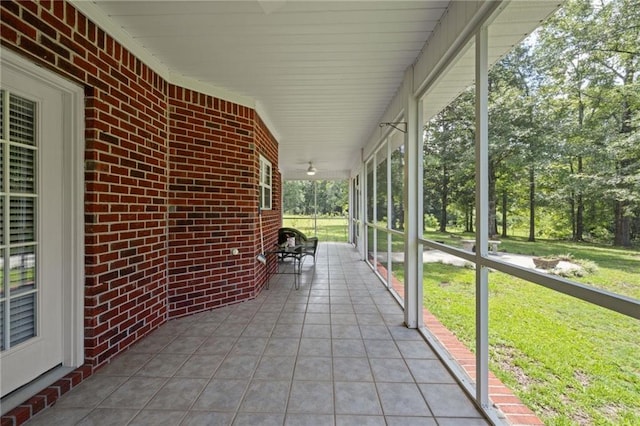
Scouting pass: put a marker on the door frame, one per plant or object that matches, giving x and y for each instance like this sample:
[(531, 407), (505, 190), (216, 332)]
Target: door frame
[(73, 204)]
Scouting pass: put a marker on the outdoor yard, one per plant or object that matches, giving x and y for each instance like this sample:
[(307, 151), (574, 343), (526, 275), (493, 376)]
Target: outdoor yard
[(569, 361), (330, 228)]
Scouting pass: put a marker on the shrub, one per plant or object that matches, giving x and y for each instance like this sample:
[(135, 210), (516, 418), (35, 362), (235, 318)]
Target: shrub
[(430, 221)]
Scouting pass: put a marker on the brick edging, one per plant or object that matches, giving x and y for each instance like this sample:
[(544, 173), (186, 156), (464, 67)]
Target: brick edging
[(46, 397), (503, 398)]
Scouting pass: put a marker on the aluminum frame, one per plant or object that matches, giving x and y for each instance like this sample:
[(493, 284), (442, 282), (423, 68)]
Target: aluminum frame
[(478, 390)]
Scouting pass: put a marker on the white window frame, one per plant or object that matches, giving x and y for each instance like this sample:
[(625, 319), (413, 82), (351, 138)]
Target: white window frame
[(266, 188)]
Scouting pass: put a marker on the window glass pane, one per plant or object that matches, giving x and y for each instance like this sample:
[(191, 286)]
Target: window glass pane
[(370, 189), (22, 264), (2, 302), (449, 172), (355, 211), (22, 169), (22, 317), (267, 198), (2, 221), (449, 300), (381, 187), (396, 279), (265, 184), (397, 188), (17, 290), (21, 120), (1, 166), (382, 255), (22, 219), (371, 235), (1, 114), (567, 347), (356, 198), (2, 293)]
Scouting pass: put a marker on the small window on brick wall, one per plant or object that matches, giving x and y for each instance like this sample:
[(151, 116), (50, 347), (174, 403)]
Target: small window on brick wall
[(265, 184)]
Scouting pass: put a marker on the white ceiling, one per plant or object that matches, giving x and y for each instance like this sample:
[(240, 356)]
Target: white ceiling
[(322, 72)]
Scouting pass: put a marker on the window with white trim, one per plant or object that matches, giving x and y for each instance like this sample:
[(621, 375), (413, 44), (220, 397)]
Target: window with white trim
[(265, 184), (18, 208)]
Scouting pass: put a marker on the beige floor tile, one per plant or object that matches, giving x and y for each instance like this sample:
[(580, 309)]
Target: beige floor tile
[(334, 352)]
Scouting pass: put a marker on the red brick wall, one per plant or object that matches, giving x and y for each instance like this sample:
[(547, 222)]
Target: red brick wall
[(171, 182), (213, 156), (125, 169), (267, 146)]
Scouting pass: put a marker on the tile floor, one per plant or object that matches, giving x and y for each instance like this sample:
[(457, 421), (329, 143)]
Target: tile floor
[(334, 352)]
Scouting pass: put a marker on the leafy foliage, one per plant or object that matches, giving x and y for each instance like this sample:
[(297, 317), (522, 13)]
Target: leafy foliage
[(564, 109), (299, 197)]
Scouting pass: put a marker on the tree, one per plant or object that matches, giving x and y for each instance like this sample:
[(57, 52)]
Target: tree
[(598, 76), (293, 197), (299, 197), (448, 154), (515, 138)]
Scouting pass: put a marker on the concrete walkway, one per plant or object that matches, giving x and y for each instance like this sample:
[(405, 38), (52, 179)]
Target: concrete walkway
[(437, 256)]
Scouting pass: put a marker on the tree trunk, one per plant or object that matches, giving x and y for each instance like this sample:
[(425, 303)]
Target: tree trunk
[(622, 225), (504, 214), (579, 235), (622, 217), (444, 198), (572, 206), (492, 202), (467, 219), (635, 226), (572, 214), (532, 205), (579, 231)]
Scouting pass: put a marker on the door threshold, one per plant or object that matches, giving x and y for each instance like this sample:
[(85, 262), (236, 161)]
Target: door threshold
[(23, 393)]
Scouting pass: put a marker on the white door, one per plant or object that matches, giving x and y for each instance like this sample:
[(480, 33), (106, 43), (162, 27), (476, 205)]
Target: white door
[(31, 213)]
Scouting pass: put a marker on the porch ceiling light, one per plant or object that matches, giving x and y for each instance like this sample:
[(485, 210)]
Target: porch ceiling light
[(311, 170)]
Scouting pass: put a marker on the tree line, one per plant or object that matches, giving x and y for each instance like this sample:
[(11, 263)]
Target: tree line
[(299, 197), (564, 156)]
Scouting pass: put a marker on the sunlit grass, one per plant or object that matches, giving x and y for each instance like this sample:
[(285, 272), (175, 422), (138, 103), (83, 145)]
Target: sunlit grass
[(618, 269), (572, 362), (329, 228)]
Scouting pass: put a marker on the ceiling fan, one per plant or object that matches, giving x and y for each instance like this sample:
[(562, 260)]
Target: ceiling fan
[(311, 170)]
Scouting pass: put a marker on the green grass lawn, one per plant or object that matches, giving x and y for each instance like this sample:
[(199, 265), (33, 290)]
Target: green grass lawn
[(330, 228), (618, 269), (571, 362)]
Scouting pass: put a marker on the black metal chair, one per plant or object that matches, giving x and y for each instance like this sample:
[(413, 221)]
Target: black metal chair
[(309, 244)]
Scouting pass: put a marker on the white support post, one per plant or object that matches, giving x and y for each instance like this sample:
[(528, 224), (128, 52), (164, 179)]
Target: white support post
[(419, 209), (350, 216), (362, 230), (374, 210), (315, 208), (482, 218), (389, 264), (412, 222)]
